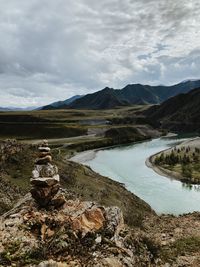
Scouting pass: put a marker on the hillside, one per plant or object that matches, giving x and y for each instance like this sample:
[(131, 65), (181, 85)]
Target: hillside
[(88, 234), (131, 94), (16, 164), (104, 99), (102, 225), (59, 104), (180, 113)]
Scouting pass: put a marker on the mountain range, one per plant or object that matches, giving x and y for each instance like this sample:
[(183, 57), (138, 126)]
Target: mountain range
[(4, 109), (16, 109), (180, 113), (58, 104), (132, 94)]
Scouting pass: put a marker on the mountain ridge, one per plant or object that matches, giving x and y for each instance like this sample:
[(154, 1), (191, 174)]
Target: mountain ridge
[(179, 113), (132, 94), (60, 103)]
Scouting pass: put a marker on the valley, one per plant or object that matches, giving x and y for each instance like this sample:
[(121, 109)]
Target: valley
[(70, 126), (115, 142), (99, 133)]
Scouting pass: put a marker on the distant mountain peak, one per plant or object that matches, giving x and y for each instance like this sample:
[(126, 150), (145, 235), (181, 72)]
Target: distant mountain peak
[(190, 80)]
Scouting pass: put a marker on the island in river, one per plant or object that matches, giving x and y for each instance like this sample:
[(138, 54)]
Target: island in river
[(180, 162)]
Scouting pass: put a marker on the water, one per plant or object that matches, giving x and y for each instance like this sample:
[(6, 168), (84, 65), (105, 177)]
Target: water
[(126, 164)]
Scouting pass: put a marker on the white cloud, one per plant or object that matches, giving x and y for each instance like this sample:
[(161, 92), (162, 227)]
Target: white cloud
[(51, 50)]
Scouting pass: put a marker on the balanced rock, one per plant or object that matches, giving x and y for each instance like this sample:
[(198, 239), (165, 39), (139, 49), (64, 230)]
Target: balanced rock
[(43, 160), (44, 149), (45, 180), (44, 195), (47, 170)]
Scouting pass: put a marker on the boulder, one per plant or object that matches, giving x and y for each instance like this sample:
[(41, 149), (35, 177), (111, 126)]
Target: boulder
[(89, 221)]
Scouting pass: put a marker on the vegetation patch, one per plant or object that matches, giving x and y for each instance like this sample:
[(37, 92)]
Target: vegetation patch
[(181, 247), (183, 160)]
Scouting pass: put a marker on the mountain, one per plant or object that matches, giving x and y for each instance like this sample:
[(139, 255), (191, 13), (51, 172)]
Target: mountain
[(106, 98), (132, 94), (4, 109), (60, 104), (180, 113), (17, 109)]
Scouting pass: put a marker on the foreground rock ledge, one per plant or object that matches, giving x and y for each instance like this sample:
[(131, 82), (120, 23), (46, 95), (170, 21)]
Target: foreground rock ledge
[(79, 234)]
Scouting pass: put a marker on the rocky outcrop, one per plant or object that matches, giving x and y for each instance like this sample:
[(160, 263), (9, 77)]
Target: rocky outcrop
[(45, 180), (81, 232), (87, 234), (8, 148)]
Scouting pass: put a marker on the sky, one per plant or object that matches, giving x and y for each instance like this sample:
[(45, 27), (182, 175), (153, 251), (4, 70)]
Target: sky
[(53, 49)]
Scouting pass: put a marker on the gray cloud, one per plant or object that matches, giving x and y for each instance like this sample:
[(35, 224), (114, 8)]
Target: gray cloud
[(51, 50)]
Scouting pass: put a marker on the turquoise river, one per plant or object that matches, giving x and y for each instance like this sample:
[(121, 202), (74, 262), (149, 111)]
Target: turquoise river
[(126, 164)]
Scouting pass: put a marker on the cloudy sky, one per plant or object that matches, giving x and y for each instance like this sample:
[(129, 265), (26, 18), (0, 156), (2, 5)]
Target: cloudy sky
[(54, 49)]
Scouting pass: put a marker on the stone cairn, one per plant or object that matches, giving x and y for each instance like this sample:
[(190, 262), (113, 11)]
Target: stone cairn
[(45, 180)]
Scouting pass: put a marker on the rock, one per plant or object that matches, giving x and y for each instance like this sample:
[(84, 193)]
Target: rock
[(58, 201), (44, 195), (44, 149), (111, 262), (44, 191), (52, 263), (43, 160), (115, 220), (44, 154), (35, 174), (98, 239), (45, 180), (77, 234), (47, 170), (91, 220)]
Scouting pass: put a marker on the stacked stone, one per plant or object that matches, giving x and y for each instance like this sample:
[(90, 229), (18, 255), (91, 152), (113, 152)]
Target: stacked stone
[(45, 179)]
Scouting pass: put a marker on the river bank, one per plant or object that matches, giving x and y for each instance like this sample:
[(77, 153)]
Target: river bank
[(89, 155), (81, 157)]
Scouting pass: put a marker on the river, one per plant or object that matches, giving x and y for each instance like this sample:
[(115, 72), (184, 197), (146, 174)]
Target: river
[(126, 164)]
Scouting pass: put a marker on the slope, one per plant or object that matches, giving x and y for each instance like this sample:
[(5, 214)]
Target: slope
[(59, 104), (180, 113)]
